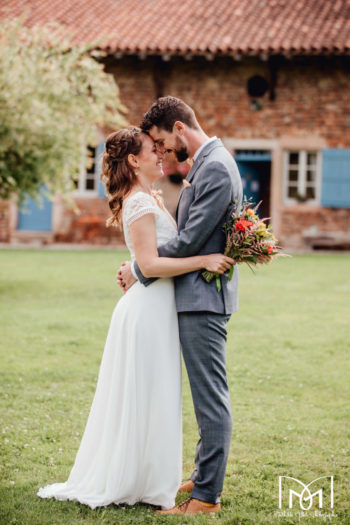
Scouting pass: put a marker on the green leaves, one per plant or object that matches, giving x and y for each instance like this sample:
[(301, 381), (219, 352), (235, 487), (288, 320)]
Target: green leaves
[(230, 273), (52, 97), (252, 258), (218, 282)]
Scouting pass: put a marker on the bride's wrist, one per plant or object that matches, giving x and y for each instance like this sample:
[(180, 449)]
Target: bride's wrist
[(203, 261)]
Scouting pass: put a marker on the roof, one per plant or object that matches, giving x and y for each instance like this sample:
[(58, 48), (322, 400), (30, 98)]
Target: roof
[(197, 27)]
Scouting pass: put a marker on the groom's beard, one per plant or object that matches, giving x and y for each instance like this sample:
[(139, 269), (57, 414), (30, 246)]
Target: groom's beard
[(180, 150)]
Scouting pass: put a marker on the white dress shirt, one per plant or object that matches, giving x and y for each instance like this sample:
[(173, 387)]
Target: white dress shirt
[(195, 156)]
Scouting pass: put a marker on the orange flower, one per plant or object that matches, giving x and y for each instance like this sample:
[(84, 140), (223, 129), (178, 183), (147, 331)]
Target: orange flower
[(242, 225)]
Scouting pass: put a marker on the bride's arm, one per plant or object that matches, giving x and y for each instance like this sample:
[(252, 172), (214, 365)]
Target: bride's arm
[(144, 239)]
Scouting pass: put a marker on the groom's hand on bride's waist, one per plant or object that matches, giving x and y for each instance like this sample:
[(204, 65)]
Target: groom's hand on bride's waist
[(125, 278)]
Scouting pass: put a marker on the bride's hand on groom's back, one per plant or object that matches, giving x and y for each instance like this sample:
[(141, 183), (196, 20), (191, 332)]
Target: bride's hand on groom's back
[(124, 277), (218, 263)]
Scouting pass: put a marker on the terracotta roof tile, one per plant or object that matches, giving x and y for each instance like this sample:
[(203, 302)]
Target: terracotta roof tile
[(228, 27)]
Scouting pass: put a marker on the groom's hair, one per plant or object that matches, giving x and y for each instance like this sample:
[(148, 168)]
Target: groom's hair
[(165, 111)]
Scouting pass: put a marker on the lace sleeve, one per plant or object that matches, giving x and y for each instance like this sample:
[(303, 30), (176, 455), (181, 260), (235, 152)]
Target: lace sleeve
[(136, 206)]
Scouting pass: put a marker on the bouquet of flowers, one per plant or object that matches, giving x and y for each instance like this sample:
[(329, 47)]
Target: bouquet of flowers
[(248, 240)]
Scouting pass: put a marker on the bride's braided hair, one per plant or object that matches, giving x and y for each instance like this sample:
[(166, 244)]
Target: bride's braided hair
[(117, 174)]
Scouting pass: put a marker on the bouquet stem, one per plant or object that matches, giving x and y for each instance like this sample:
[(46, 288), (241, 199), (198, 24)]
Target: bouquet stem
[(218, 282), (230, 273), (209, 276)]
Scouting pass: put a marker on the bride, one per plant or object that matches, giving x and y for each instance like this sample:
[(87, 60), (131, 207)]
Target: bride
[(131, 447)]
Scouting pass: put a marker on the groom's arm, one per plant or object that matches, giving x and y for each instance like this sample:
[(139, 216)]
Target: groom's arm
[(212, 198)]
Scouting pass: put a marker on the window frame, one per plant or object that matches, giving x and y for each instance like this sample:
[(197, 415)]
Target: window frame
[(301, 184), (81, 190)]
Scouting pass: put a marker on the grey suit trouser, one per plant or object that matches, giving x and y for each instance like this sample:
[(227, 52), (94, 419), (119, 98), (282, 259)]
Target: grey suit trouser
[(203, 341)]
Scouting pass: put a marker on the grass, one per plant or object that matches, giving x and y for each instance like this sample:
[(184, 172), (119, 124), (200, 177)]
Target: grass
[(288, 369)]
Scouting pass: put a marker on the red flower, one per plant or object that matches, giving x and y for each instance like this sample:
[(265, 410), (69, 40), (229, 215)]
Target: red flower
[(269, 249), (243, 224)]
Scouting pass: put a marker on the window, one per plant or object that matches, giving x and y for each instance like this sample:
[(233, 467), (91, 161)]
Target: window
[(301, 176), (87, 184)]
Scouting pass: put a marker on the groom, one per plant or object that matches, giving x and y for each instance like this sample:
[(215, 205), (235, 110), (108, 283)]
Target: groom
[(206, 200)]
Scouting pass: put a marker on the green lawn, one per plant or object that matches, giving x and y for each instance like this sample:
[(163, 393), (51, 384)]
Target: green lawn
[(288, 369)]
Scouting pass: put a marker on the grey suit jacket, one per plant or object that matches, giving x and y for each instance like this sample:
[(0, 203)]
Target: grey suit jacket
[(203, 208)]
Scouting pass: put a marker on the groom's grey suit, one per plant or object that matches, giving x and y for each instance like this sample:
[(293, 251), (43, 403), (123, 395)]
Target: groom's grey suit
[(203, 208)]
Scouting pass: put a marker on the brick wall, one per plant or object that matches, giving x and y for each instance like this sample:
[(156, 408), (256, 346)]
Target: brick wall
[(312, 99), (4, 221), (300, 220), (89, 226), (312, 95)]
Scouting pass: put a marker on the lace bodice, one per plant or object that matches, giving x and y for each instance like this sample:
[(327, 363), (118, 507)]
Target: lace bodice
[(140, 204)]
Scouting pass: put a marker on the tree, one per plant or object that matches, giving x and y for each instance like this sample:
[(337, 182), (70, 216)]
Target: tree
[(52, 96)]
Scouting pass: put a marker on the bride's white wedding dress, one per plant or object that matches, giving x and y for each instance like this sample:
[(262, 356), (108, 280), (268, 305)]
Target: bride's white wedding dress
[(131, 450)]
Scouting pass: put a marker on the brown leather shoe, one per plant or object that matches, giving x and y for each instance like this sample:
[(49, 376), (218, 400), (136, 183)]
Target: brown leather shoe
[(192, 506), (187, 486)]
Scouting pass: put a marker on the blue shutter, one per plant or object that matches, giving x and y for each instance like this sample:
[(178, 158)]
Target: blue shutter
[(36, 217), (101, 187), (335, 178)]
